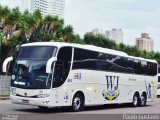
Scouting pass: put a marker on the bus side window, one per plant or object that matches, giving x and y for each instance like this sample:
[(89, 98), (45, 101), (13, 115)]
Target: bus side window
[(58, 72), (62, 66)]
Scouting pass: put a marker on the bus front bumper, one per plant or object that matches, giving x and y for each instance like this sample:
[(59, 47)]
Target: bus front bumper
[(31, 101)]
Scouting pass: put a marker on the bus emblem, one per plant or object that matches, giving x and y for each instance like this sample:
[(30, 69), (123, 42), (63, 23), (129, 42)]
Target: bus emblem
[(112, 91)]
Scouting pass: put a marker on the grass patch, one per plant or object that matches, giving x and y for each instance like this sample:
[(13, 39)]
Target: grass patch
[(4, 97)]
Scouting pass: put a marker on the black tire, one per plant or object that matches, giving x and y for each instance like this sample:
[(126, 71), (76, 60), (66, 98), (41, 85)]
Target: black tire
[(143, 100), (77, 103), (136, 100)]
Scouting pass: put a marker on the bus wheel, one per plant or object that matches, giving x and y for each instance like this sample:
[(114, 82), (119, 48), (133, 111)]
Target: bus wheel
[(143, 100), (135, 101), (77, 103)]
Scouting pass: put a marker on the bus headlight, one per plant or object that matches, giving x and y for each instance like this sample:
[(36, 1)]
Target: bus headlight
[(43, 95)]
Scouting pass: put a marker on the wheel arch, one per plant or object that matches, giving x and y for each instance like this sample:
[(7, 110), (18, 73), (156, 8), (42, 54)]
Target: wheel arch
[(136, 102), (145, 93), (136, 92), (78, 92)]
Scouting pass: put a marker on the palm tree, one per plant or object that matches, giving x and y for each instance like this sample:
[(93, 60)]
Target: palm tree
[(11, 22), (37, 16), (57, 26), (42, 30), (48, 24), (27, 25), (51, 28), (67, 32), (4, 12)]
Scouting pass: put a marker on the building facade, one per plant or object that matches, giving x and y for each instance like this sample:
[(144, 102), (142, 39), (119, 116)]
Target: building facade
[(97, 31), (46, 7), (145, 42), (115, 34)]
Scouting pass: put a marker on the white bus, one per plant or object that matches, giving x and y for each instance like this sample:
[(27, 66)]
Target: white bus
[(158, 88), (53, 74)]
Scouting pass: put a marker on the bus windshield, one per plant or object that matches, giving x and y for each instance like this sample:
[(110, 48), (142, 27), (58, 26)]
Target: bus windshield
[(30, 68)]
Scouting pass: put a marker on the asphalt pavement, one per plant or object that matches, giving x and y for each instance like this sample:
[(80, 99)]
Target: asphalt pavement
[(116, 111)]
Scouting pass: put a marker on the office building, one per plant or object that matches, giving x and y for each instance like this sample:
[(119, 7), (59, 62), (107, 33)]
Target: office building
[(145, 42), (115, 34), (46, 7), (97, 31)]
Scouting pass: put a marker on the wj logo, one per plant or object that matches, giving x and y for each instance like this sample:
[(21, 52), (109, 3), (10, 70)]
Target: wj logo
[(111, 92)]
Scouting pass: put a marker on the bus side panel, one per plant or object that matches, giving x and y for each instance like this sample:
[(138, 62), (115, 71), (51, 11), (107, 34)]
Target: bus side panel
[(103, 87)]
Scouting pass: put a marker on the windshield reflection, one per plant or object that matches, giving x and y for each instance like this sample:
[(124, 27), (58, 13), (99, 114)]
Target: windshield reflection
[(31, 74)]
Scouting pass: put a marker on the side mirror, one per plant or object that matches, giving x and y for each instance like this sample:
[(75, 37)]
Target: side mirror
[(5, 63), (49, 64)]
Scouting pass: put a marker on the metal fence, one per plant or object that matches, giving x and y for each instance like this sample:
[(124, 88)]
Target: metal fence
[(5, 82)]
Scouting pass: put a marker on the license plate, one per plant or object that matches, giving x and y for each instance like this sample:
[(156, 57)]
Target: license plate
[(25, 101)]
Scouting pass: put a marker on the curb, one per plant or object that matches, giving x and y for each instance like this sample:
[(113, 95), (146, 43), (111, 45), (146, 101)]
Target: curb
[(4, 98)]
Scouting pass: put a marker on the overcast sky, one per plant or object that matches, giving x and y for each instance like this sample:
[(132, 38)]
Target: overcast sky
[(132, 16)]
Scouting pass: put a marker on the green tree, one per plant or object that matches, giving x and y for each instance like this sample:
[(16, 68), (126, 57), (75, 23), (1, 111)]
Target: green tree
[(1, 38), (27, 24), (4, 12), (67, 33), (11, 22), (99, 40), (50, 28)]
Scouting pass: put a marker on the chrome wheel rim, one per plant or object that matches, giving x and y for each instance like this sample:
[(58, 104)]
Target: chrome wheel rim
[(142, 100), (77, 102), (135, 100)]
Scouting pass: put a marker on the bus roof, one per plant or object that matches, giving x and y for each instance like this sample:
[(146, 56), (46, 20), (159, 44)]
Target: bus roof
[(88, 47)]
